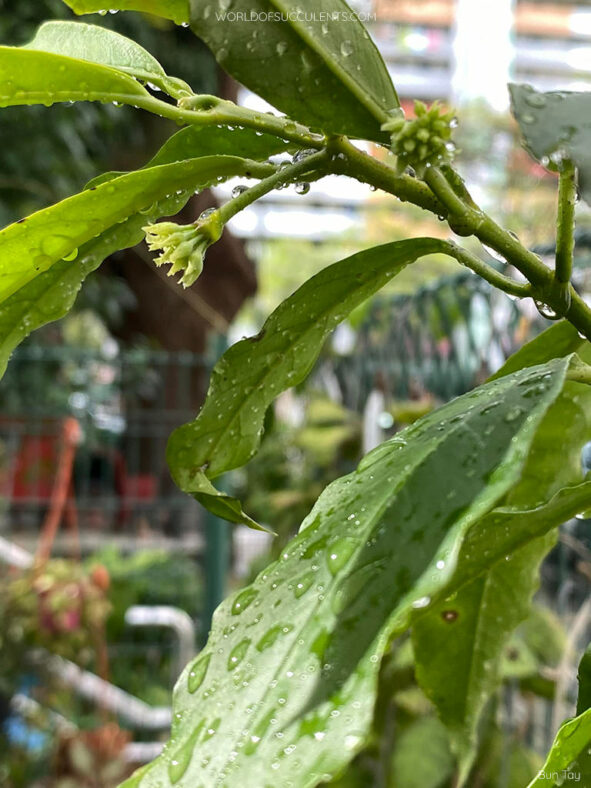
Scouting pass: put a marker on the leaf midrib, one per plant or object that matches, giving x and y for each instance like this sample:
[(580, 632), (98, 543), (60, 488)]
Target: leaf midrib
[(310, 328), (360, 92)]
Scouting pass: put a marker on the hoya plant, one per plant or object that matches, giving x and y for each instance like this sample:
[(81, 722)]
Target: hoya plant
[(440, 531)]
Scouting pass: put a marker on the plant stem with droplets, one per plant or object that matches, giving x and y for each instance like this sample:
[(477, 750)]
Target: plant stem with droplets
[(314, 165), (565, 228)]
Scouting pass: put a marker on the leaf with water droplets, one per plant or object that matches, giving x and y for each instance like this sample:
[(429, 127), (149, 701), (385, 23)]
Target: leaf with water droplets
[(108, 48), (458, 646), (296, 675), (176, 10), (569, 760), (51, 295), (31, 246), (488, 609), (327, 72), (253, 372), (556, 126), (28, 76)]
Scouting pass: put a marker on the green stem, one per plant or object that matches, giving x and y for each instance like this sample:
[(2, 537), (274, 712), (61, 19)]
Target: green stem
[(349, 160), (489, 274), (567, 196), (213, 111), (310, 165)]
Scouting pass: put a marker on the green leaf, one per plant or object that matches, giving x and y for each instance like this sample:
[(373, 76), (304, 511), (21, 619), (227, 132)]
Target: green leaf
[(103, 46), (51, 295), (176, 10), (326, 71), (31, 77), (485, 612), (584, 698), (560, 340), (569, 755), (555, 126), (197, 141), (31, 246), (459, 645), (422, 757), (286, 685), (253, 372)]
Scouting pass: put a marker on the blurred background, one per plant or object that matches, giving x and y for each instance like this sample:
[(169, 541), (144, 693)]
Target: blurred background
[(90, 649)]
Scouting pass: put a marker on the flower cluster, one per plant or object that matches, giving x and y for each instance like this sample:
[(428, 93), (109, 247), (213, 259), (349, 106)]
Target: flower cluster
[(425, 140), (183, 247)]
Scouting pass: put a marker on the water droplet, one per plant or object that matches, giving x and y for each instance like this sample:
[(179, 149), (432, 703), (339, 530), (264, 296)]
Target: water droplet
[(528, 119), (281, 48), (302, 188), (347, 48), (238, 190), (270, 638), (238, 653), (449, 615), (339, 554), (546, 311), (536, 100), (243, 600), (513, 414), (179, 763), (422, 602), (303, 584), (197, 673), (207, 213)]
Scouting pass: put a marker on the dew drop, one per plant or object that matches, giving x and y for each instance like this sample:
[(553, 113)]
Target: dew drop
[(546, 311), (303, 584), (302, 188), (238, 653), (422, 602), (244, 600), (72, 256), (339, 554), (197, 673), (347, 48), (238, 190)]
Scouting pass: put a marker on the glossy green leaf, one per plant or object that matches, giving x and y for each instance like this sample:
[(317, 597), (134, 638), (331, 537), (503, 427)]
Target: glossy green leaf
[(584, 697), (569, 755), (101, 45), (459, 645), (196, 141), (31, 77), (485, 612), (555, 126), (51, 295), (32, 245), (286, 685), (253, 372), (326, 70), (176, 10)]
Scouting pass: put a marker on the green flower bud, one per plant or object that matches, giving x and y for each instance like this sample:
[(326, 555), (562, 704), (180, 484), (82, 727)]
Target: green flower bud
[(424, 141), (183, 247)]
